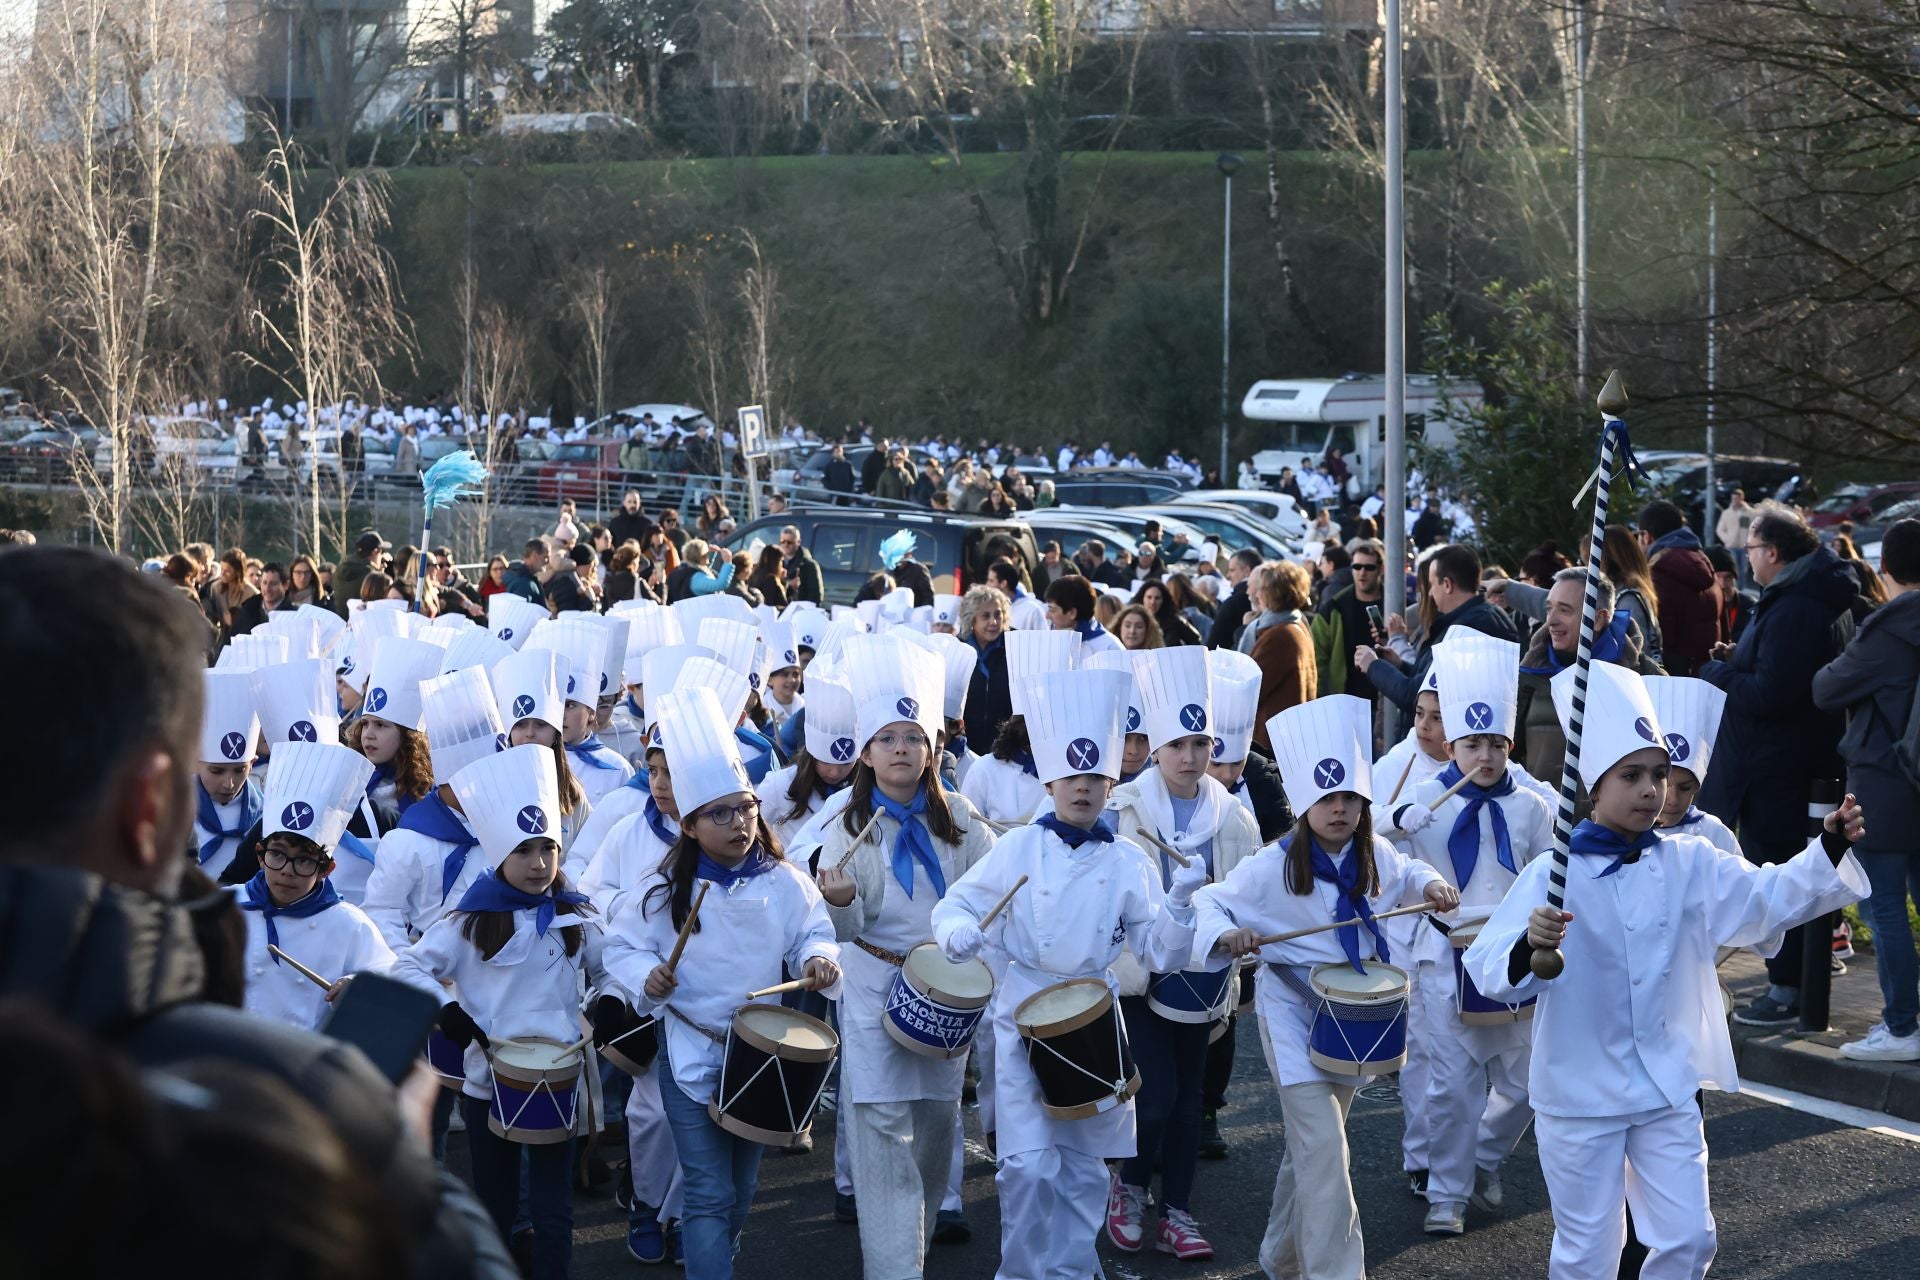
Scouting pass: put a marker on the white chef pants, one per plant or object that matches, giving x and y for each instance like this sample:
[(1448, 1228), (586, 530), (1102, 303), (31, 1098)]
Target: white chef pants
[(900, 1153), (1475, 1113), (1051, 1204), (956, 1164), (1655, 1161), (1313, 1227), (651, 1155)]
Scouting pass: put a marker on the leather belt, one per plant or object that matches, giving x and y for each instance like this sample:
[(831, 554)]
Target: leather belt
[(893, 958), (714, 1036)]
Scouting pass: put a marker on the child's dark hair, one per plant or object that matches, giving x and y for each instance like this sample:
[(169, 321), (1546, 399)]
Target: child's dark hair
[(489, 931), (807, 783), (938, 817), (681, 860), (1300, 858), (1012, 738)]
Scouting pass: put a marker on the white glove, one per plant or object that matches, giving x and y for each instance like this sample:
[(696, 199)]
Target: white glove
[(964, 943), (1186, 880), (1414, 817)]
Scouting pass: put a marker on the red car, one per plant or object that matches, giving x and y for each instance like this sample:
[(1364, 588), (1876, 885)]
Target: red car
[(1862, 504), (586, 471)]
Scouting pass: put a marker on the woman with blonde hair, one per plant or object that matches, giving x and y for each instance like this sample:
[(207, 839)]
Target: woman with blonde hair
[(1136, 628), (982, 623)]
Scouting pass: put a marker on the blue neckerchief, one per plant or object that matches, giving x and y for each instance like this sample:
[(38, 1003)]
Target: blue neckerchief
[(1028, 765), (354, 845), (254, 897), (760, 762), (1126, 777), (587, 752), (633, 709), (491, 893), (998, 644), (381, 773), (1608, 646), (958, 746), (640, 781), (1075, 836), (756, 863), (1090, 630), (1463, 842), (432, 818), (207, 814), (914, 843), (1693, 816), (1239, 788), (1350, 904), (658, 822), (1595, 841)]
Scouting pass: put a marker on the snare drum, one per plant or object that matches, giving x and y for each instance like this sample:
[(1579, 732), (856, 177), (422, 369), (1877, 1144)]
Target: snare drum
[(1359, 1019), (936, 1004), (534, 1088), (448, 1060), (634, 1044), (1191, 995), (1077, 1048), (777, 1063), (1474, 1009)]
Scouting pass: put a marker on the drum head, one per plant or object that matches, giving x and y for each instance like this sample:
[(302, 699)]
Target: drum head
[(968, 980), (1062, 1007), (785, 1033), (536, 1059), (1379, 982)]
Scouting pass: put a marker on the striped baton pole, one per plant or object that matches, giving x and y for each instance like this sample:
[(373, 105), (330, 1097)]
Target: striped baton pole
[(1547, 964)]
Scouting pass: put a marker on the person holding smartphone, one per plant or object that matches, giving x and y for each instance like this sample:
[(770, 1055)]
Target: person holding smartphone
[(1353, 615)]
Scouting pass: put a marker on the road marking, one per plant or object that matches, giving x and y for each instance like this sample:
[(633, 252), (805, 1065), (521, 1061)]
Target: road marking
[(1857, 1117)]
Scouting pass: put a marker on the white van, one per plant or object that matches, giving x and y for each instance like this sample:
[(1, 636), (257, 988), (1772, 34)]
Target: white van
[(1310, 416)]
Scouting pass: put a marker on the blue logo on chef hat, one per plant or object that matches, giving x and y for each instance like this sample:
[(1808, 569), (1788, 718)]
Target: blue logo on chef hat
[(1133, 719), (753, 679), (907, 708), (1644, 727), (1678, 747), (499, 742), (659, 738), (233, 746), (1083, 754), (570, 686), (376, 699), (1329, 773), (1479, 717), (842, 750), (523, 706), (792, 658), (302, 731), (532, 819), (603, 682), (297, 816), (1219, 747), (346, 666), (1193, 717), (504, 633)]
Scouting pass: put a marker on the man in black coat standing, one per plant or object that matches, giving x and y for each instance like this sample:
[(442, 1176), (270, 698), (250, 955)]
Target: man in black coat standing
[(804, 579), (1233, 611), (838, 476)]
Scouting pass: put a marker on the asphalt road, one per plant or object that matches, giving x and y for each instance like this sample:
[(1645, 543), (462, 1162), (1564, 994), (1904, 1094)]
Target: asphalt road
[(1796, 1196)]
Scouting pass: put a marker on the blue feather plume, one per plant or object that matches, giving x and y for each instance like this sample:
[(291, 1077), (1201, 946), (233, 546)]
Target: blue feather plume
[(452, 478), (897, 547)]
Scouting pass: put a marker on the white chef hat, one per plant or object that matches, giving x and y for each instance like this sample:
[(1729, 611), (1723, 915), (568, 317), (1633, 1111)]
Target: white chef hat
[(462, 723), (736, 645), (512, 619), (1032, 653), (959, 659), (313, 790), (303, 639), (660, 671), (1689, 713), (1235, 682), (835, 636), (1124, 662), (526, 686), (617, 630), (810, 624), (1619, 718), (297, 703), (778, 646), (393, 681), (254, 650), (510, 797), (584, 647), (1076, 721), (327, 625), (695, 610), (898, 681), (897, 605), (649, 627), (1175, 693), (920, 619), (729, 687), (474, 647), (830, 720), (1322, 747), (229, 725), (946, 610), (702, 753), (1479, 679), (443, 631)]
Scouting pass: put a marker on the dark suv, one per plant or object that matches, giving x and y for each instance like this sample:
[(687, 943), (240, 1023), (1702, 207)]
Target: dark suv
[(846, 541)]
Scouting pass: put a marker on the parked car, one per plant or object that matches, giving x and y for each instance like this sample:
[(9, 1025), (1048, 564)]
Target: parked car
[(1683, 478), (846, 541), (804, 475), (45, 457), (1230, 527), (1072, 526), (1872, 530), (1117, 487), (1276, 508), (1862, 504)]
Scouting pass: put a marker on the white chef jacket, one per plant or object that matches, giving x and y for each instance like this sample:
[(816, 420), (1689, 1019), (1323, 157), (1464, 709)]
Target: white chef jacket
[(597, 783), (1002, 791), (776, 809), (628, 858), (608, 812), (333, 943), (223, 856), (403, 895)]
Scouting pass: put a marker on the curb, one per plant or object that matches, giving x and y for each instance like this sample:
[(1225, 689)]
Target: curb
[(1808, 1066)]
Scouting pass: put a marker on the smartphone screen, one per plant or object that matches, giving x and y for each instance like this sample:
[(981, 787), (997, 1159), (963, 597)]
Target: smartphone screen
[(386, 1020), (1375, 617)]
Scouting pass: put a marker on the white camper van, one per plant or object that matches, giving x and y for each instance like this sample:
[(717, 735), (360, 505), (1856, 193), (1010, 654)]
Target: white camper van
[(1306, 417)]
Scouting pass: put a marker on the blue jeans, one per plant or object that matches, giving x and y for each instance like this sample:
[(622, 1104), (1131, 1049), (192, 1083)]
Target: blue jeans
[(1893, 876), (496, 1180), (1172, 1058), (720, 1173)]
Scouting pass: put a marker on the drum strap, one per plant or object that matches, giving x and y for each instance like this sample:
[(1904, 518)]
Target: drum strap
[(1289, 975), (893, 958), (714, 1036)]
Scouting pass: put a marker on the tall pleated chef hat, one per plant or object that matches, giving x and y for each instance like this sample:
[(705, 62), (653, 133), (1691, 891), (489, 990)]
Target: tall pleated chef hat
[(946, 610), (1175, 694), (297, 703), (526, 686), (695, 610), (615, 629), (650, 626), (898, 681), (660, 672), (835, 636), (463, 724), (1032, 653), (252, 651), (702, 753), (393, 681), (510, 797), (584, 646), (1689, 713), (1076, 722), (1479, 679), (736, 646), (512, 619), (729, 687), (1123, 661), (779, 647), (1236, 703), (830, 720), (1322, 747), (1619, 718), (959, 658), (474, 647), (810, 624), (313, 790), (229, 724)]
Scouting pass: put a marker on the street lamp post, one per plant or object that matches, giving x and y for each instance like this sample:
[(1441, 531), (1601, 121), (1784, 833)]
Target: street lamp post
[(467, 167), (1396, 324), (1229, 165), (1583, 335)]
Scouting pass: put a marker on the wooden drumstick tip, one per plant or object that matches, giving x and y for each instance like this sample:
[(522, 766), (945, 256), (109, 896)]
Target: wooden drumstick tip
[(686, 930), (1546, 965), (858, 840)]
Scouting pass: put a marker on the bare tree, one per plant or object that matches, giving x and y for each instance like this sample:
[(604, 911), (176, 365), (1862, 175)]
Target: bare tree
[(593, 301), (500, 381), (352, 51), (759, 293), (465, 34)]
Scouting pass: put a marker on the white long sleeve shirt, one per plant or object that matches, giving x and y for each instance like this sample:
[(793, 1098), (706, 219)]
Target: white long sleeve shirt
[(403, 896), (334, 943), (608, 812)]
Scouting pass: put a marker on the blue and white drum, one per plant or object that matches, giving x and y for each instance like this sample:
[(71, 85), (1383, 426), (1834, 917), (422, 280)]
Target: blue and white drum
[(1359, 1019), (1191, 995), (535, 1083), (936, 1004), (1474, 1009), (448, 1060)]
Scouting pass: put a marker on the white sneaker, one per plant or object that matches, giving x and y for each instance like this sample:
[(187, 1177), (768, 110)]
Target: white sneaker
[(1488, 1193), (1881, 1045), (1446, 1218)]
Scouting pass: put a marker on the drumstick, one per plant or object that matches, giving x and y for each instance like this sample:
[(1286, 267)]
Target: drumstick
[(857, 841), (1335, 924), (1001, 905), (1165, 848), (305, 972), (581, 1043), (1403, 781), (1453, 790), (686, 930), (798, 984)]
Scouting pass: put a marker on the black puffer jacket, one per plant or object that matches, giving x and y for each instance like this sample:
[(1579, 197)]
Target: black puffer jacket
[(124, 965)]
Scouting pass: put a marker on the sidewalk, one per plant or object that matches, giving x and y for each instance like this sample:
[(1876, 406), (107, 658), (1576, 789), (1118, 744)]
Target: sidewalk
[(1812, 1064)]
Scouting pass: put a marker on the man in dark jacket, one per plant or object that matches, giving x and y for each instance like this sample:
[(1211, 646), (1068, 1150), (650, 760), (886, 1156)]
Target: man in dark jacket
[(630, 523), (1233, 611), (837, 476), (369, 554), (565, 592), (1453, 585), (804, 579), (1873, 682), (1774, 743), (525, 579), (1539, 741), (1683, 580), (92, 922), (873, 464)]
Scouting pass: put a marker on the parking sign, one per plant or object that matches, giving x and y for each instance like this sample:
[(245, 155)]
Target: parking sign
[(753, 431)]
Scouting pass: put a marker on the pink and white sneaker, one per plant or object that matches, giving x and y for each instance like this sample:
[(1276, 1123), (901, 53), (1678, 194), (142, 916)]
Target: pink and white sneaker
[(1180, 1236), (1126, 1217)]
